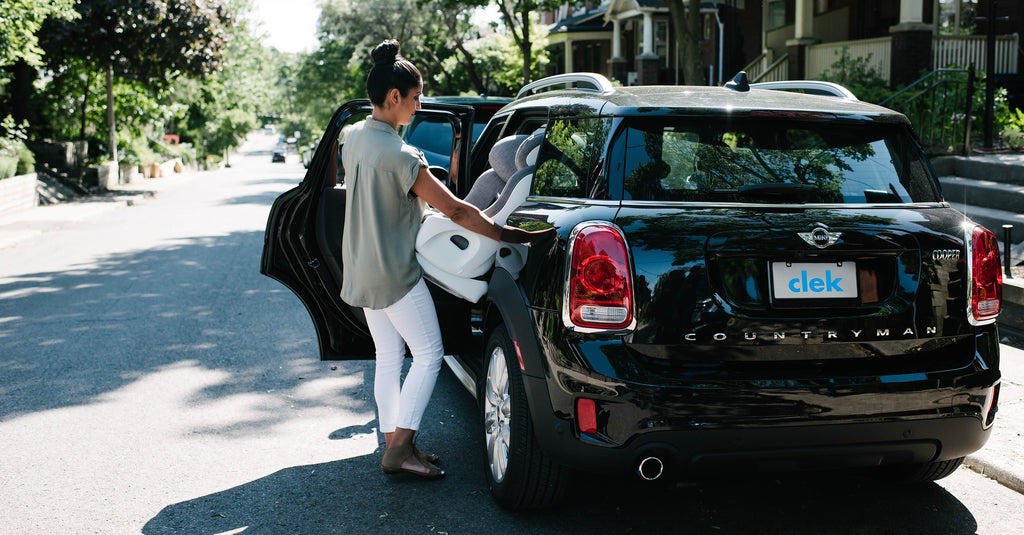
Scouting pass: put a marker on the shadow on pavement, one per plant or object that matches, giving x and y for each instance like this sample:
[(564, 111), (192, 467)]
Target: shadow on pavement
[(69, 337), (353, 496)]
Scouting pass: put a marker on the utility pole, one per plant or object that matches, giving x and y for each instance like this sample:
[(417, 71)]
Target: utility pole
[(990, 68)]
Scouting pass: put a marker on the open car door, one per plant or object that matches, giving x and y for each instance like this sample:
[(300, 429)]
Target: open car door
[(302, 243)]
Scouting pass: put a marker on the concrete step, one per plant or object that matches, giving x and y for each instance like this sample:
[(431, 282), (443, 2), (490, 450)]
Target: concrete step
[(961, 191), (1004, 168), (994, 220)]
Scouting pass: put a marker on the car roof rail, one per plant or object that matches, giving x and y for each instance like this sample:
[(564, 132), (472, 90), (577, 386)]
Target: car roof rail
[(814, 87), (588, 81)]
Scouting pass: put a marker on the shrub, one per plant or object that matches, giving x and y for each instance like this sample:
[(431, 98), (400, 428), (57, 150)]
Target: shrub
[(15, 158), (857, 75), (1013, 131), (26, 161), (8, 166)]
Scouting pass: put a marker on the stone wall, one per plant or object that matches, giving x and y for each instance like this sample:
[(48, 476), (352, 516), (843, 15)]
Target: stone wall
[(18, 193)]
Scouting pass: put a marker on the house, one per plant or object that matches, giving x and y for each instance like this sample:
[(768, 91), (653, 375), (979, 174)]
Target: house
[(633, 41)]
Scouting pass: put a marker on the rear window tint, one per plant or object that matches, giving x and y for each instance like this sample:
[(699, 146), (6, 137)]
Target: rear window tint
[(570, 163), (772, 161)]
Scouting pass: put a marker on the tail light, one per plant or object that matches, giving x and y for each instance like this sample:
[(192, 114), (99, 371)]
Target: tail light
[(599, 290), (985, 290), (586, 415)]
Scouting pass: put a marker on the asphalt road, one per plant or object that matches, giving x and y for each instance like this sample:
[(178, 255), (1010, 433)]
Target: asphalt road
[(152, 381)]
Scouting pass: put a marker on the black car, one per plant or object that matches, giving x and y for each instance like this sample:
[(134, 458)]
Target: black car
[(743, 279), (433, 136)]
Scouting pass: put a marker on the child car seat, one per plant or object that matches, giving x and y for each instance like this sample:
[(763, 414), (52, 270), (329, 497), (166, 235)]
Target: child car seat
[(452, 256)]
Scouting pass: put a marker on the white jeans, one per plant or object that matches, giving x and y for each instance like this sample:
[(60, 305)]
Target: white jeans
[(412, 320)]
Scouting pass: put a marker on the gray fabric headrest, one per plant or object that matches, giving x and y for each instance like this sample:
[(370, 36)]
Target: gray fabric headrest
[(503, 155), (526, 147)]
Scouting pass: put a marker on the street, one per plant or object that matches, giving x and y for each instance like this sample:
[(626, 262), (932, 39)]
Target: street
[(152, 381)]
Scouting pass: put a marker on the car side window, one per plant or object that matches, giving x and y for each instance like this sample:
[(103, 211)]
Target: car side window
[(571, 159)]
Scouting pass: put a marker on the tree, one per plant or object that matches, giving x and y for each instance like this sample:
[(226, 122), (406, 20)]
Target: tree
[(686, 26), (516, 15), (149, 41), (20, 21), (220, 109)]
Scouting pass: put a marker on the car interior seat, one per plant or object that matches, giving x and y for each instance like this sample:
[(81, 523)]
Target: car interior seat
[(454, 257), (502, 159)]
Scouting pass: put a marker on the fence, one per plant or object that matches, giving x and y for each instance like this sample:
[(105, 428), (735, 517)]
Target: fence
[(877, 50), (947, 52), (956, 51)]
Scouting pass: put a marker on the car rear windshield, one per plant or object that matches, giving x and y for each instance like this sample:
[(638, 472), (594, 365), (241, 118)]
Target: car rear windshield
[(772, 160)]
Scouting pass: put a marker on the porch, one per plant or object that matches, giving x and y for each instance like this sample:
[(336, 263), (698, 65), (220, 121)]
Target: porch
[(946, 51)]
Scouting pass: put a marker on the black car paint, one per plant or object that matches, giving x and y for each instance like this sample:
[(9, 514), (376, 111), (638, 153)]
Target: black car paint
[(687, 384)]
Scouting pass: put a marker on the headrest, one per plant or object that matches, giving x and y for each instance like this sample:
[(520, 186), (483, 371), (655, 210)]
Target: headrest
[(528, 149), (503, 156)]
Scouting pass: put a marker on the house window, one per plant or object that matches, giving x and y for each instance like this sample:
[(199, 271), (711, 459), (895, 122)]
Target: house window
[(956, 17), (661, 40), (776, 14)]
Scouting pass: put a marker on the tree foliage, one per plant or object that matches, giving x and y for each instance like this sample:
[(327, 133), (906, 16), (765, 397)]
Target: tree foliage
[(20, 21), (152, 41), (216, 112), (517, 16)]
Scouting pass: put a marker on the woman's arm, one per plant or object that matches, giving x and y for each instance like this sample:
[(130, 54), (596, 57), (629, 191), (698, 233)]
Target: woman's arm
[(466, 215)]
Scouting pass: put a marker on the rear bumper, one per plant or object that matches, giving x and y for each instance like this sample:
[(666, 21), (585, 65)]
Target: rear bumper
[(778, 425)]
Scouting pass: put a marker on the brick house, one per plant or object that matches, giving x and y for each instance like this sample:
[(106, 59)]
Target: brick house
[(633, 40)]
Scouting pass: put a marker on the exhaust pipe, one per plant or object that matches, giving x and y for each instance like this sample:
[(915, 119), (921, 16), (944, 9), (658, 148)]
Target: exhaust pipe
[(650, 468)]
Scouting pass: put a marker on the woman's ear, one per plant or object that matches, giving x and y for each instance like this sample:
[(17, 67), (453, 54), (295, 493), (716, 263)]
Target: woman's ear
[(394, 96)]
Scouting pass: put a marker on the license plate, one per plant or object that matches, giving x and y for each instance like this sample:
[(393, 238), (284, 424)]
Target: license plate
[(814, 280)]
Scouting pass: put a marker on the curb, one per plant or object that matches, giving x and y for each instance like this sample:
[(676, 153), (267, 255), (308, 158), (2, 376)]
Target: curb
[(1002, 476)]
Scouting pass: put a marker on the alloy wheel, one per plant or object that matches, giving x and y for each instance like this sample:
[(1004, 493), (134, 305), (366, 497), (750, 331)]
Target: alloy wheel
[(497, 414)]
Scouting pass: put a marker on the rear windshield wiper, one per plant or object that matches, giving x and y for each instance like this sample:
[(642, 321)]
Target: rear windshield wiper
[(778, 192)]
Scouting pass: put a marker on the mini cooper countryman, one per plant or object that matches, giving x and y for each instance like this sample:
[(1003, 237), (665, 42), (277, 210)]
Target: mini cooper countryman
[(742, 278)]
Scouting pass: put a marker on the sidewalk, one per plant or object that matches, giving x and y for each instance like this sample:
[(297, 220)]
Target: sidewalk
[(25, 225), (1002, 458)]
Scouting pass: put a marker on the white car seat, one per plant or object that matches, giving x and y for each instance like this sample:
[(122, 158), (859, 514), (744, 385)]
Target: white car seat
[(452, 256)]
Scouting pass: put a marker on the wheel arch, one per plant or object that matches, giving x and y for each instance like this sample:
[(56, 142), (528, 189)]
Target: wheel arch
[(506, 304)]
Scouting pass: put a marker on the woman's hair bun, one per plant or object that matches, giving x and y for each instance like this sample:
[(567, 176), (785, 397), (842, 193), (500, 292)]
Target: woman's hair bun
[(386, 52)]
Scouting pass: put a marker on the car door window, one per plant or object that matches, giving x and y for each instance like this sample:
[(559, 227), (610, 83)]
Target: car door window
[(570, 161)]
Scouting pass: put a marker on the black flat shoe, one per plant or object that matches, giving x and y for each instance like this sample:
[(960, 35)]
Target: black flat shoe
[(394, 462)]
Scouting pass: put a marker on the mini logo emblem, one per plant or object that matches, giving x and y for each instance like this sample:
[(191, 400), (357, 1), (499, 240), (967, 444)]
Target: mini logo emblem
[(939, 255), (820, 237)]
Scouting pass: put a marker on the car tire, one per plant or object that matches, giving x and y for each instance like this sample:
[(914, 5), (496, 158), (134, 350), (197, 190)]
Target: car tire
[(923, 472), (519, 474)]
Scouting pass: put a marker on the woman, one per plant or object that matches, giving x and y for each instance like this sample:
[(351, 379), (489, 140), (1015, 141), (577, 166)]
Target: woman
[(389, 188)]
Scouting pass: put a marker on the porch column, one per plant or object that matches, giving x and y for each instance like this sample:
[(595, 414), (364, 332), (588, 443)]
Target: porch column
[(647, 63), (802, 38), (618, 63), (648, 34), (568, 55), (911, 43), (804, 24)]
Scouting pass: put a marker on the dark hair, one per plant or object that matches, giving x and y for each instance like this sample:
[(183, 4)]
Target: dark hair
[(390, 71)]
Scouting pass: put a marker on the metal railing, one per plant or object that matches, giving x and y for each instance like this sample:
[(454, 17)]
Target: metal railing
[(939, 107), (777, 71)]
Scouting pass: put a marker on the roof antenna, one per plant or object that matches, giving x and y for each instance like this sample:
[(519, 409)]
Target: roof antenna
[(739, 82)]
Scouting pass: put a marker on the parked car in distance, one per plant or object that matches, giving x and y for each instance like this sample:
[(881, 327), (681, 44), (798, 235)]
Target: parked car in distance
[(280, 154), (742, 280)]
